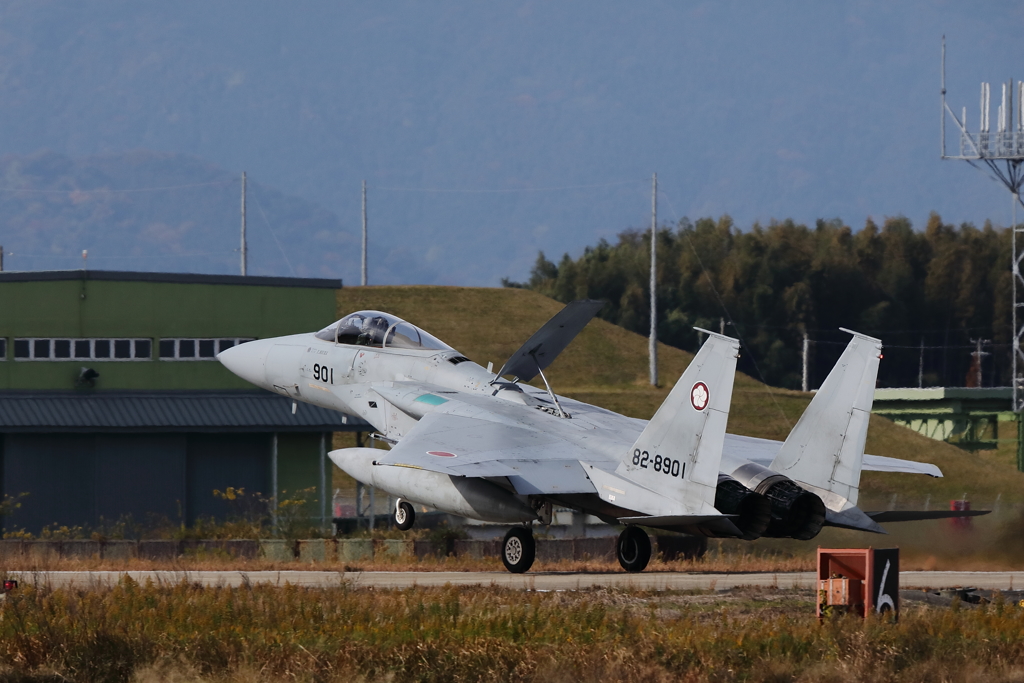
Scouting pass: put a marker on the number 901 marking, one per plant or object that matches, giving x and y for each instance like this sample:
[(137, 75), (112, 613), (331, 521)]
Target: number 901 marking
[(662, 464), (323, 373)]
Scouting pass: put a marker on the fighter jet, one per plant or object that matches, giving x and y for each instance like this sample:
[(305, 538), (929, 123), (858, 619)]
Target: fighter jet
[(473, 443), (486, 446)]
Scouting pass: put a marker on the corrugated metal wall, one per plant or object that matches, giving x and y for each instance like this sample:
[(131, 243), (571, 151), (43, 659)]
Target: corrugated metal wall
[(89, 479), (217, 461)]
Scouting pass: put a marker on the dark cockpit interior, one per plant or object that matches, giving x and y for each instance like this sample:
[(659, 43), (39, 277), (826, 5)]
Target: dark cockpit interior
[(379, 330)]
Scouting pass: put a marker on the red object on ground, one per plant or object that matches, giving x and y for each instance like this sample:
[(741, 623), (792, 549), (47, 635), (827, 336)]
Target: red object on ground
[(960, 522), (858, 580)]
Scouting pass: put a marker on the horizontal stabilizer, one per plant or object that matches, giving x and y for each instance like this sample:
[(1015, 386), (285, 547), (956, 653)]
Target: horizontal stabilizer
[(852, 518), (918, 515), (543, 347), (880, 463)]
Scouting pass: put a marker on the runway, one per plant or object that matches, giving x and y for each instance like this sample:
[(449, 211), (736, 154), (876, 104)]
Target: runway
[(539, 581)]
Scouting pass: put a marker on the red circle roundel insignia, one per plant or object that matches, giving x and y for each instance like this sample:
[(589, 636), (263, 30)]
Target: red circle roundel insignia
[(700, 396), (442, 454)]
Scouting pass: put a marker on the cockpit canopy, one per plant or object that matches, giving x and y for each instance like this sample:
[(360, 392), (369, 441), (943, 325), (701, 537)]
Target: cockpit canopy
[(380, 330)]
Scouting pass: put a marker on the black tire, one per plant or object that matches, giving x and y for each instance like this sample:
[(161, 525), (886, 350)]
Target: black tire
[(405, 516), (633, 549), (518, 550)]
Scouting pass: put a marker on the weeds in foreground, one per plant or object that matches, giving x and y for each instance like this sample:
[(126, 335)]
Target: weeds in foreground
[(148, 632)]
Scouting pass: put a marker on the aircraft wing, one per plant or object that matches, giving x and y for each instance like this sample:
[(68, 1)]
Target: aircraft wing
[(763, 451), (535, 462)]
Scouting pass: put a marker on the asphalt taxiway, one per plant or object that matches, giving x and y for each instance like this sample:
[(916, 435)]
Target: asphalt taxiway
[(540, 581)]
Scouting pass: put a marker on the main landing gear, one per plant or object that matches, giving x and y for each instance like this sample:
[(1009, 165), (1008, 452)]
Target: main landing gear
[(405, 516), (633, 549), (518, 549)]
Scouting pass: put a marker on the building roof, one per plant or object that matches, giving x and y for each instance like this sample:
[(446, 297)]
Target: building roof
[(180, 278), (165, 411)]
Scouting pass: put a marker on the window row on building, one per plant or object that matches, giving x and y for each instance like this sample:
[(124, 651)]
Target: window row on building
[(195, 349), (116, 349)]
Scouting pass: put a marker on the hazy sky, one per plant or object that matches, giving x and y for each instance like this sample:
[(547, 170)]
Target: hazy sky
[(465, 118)]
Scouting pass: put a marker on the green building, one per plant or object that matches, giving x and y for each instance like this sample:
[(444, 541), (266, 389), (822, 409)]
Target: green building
[(112, 403)]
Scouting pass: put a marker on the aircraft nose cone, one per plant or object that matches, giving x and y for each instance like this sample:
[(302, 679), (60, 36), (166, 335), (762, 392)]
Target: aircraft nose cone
[(248, 360)]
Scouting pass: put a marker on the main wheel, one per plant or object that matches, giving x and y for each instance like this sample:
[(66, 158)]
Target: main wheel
[(405, 516), (633, 549), (518, 550)]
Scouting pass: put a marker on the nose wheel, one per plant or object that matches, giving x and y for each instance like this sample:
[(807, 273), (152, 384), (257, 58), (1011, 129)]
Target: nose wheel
[(633, 549), (518, 550), (405, 516)]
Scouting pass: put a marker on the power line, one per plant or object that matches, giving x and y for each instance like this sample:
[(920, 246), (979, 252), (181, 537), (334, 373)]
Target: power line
[(124, 191), (504, 190), (721, 303), (273, 234)]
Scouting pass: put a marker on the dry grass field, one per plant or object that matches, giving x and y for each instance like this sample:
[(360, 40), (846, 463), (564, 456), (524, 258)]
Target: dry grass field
[(160, 634)]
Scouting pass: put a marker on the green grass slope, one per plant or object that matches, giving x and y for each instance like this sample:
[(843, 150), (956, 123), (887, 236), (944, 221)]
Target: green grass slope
[(607, 366)]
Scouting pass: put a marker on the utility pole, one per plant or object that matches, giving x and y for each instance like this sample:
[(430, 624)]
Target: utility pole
[(1, 258), (245, 248), (652, 348), (803, 354), (363, 281)]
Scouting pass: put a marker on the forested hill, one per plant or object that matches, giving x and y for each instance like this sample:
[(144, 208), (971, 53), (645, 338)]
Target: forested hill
[(942, 287)]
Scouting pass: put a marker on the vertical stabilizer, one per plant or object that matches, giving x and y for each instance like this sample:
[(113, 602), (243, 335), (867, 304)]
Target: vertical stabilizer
[(825, 451), (679, 452)]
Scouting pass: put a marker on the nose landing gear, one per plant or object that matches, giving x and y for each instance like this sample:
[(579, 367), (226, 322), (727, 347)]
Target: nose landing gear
[(518, 549), (405, 516), (633, 549)]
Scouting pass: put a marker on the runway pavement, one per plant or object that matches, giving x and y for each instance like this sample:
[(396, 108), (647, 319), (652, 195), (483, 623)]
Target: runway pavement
[(541, 581)]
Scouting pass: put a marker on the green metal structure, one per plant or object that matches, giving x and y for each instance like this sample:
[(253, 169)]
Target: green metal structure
[(54, 326), (971, 418)]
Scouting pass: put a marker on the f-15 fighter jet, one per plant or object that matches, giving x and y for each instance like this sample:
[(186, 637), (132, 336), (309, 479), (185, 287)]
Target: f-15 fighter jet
[(474, 443)]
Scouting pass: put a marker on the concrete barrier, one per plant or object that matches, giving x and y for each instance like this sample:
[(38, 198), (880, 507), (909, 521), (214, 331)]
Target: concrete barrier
[(80, 550), (119, 550), (316, 550), (242, 548), (42, 551), (554, 549), (277, 550), (602, 549), (355, 549), (160, 549), (423, 548), (392, 548), (11, 549), (478, 548)]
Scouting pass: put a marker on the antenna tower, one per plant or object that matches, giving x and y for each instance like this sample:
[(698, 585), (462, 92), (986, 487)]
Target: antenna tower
[(1002, 153)]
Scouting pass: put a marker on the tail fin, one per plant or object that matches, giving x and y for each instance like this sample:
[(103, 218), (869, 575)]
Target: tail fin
[(679, 453), (825, 451)]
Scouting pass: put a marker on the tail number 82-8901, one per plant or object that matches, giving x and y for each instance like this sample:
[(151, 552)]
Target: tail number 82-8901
[(665, 465)]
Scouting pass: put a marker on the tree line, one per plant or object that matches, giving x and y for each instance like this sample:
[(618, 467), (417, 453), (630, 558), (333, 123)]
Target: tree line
[(929, 294)]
